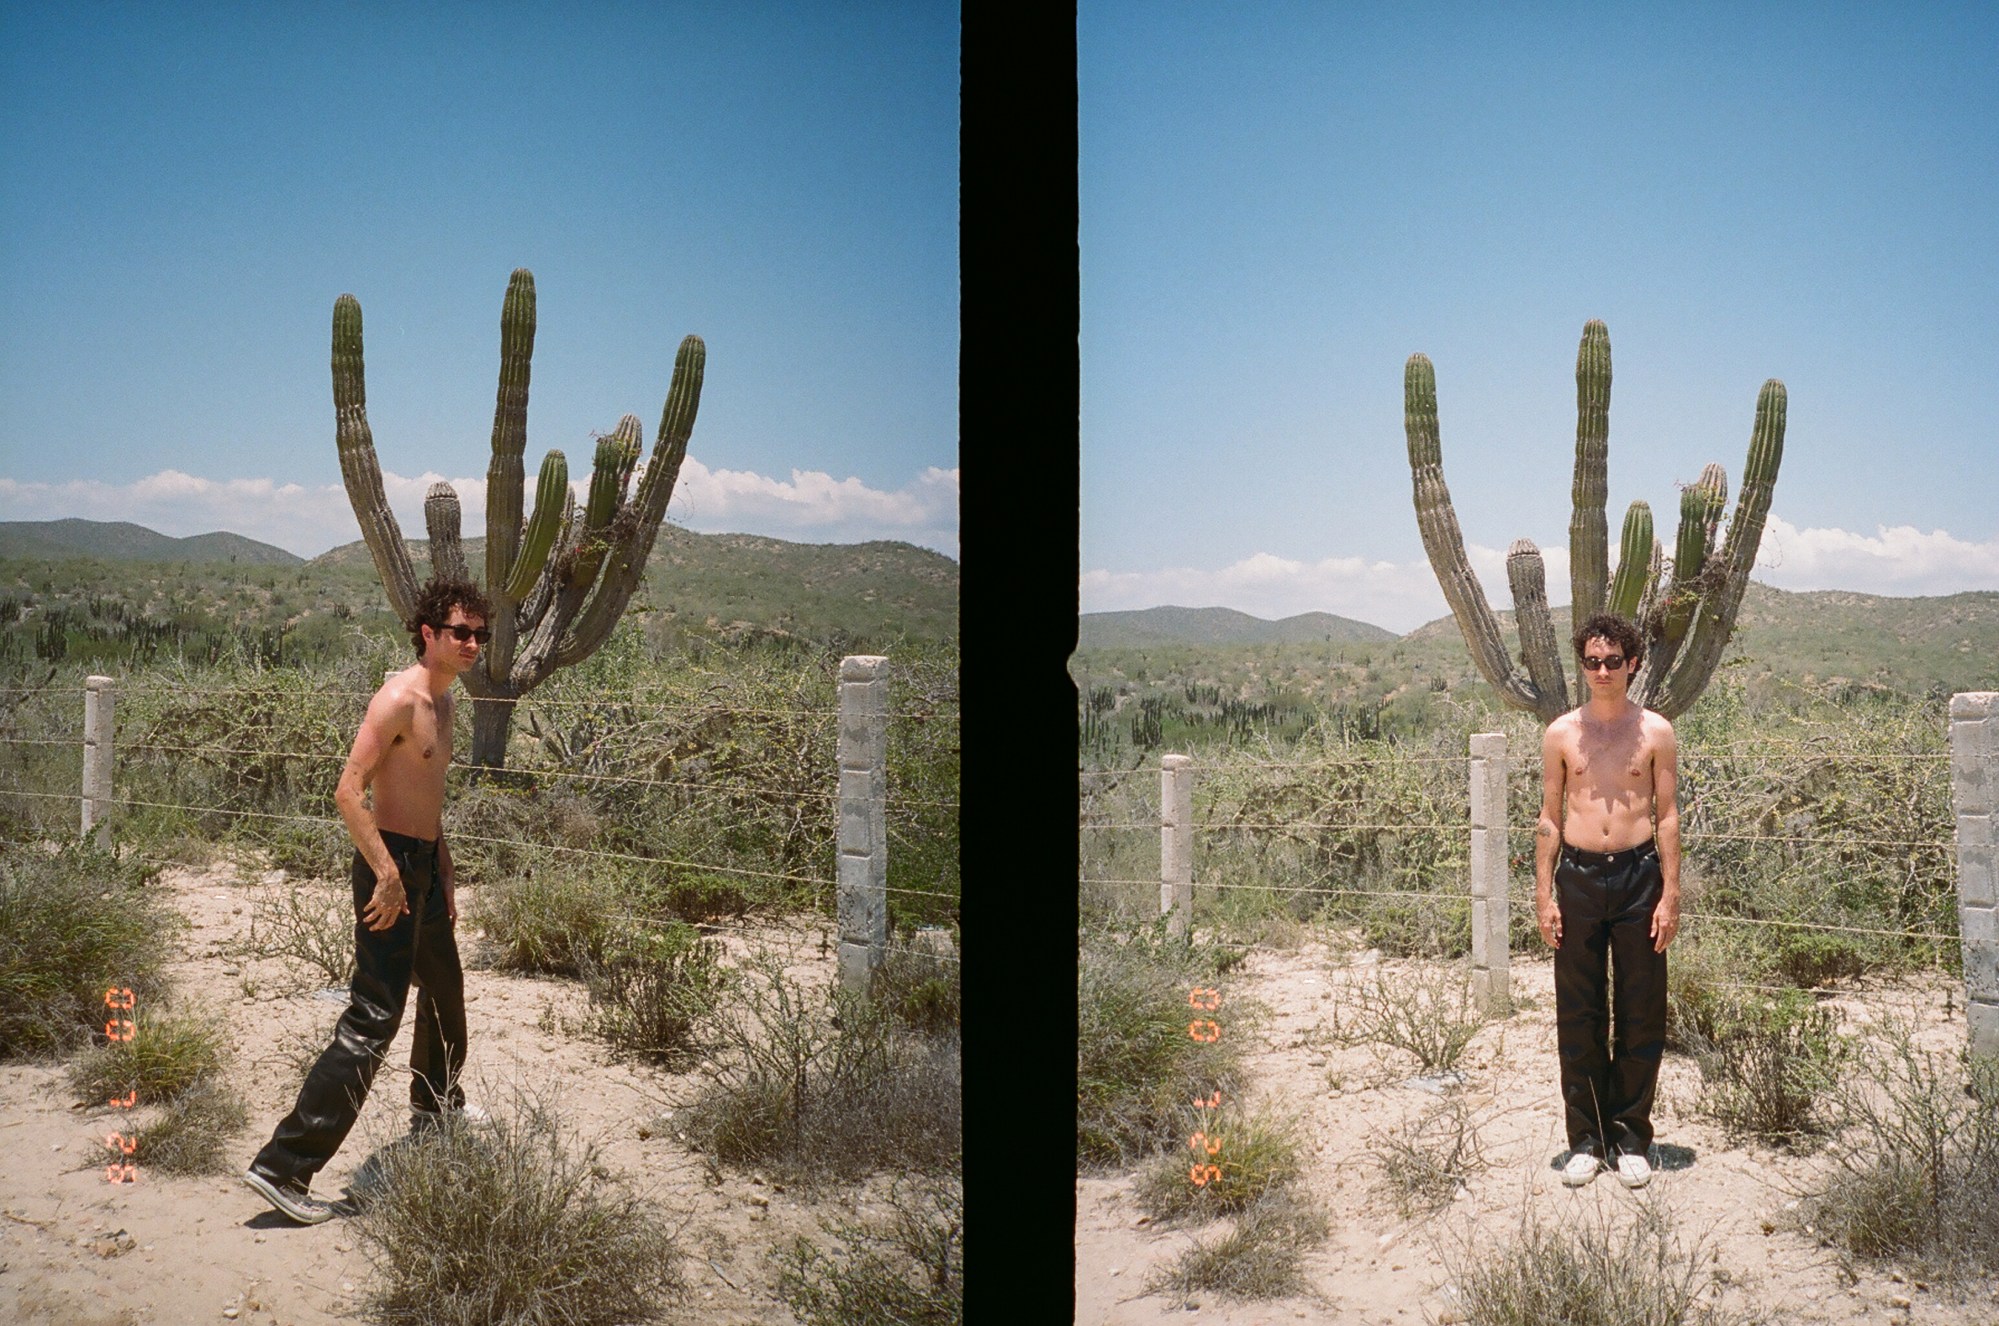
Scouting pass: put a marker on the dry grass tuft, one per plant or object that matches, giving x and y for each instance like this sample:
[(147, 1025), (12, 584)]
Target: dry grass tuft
[(511, 1224), (909, 1268), (1261, 1256), (1426, 1163), (1425, 1010)]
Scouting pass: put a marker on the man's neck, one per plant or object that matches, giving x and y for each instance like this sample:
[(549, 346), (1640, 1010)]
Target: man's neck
[(1603, 710), (437, 678)]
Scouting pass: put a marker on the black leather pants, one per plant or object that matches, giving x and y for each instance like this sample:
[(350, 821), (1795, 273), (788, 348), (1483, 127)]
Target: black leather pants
[(1607, 901), (420, 944)]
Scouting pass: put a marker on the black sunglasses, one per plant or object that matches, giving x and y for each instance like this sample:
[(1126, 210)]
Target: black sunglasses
[(1608, 663), (480, 633)]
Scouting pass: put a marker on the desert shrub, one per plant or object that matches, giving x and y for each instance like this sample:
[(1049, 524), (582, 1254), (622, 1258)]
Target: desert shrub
[(73, 923), (653, 988), (1702, 973), (510, 1224), (1809, 959), (1593, 1270), (171, 1078), (310, 926), (1425, 1010), (1916, 1176), (1428, 1161), (1254, 1153), (553, 918), (1137, 1067), (193, 1132), (168, 1054), (826, 1083), (919, 986), (1261, 1256), (1770, 1072), (908, 1268)]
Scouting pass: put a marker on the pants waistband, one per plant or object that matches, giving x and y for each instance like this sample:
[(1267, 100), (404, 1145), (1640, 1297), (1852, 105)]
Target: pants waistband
[(1609, 860), (405, 843)]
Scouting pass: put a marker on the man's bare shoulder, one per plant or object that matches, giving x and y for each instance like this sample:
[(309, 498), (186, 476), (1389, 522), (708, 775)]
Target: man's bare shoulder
[(1656, 730), (396, 702), (1563, 730)]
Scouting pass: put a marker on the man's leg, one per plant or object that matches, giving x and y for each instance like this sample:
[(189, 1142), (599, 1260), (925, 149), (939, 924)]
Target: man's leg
[(1581, 1012), (437, 1049), (331, 1098), (1638, 987)]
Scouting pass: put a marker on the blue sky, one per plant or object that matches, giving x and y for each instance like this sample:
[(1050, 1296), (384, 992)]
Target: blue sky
[(185, 189), (1281, 202)]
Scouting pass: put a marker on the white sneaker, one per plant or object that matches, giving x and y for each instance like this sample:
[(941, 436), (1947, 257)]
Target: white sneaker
[(1633, 1170), (1582, 1167)]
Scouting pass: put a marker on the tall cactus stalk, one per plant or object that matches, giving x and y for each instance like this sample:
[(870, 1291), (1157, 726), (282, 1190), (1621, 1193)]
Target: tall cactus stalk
[(1686, 606), (558, 582)]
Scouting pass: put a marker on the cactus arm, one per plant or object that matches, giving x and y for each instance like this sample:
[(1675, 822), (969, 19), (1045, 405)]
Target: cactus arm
[(1634, 561), (1589, 534), (1701, 505), (1648, 601), (358, 468), (1715, 619), (551, 491), (615, 457), (534, 607), (1529, 582), (504, 475), (637, 527), (1444, 543), (441, 520)]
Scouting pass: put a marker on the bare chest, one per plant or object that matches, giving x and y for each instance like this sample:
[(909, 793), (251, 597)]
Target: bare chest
[(425, 749)]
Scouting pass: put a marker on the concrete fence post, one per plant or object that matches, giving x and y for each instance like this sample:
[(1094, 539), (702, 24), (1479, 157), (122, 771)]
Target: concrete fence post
[(863, 843), (1176, 842), (100, 703), (1974, 787), (1491, 980)]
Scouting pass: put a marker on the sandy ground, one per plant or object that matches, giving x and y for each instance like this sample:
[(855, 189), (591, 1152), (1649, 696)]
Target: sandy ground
[(1381, 1268), (79, 1250)]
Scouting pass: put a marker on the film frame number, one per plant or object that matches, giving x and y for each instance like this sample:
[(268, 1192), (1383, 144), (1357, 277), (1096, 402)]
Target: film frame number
[(1205, 1031), (119, 999)]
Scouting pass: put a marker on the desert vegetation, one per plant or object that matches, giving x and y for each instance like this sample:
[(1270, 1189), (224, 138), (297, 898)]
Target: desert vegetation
[(1331, 814), (661, 843)]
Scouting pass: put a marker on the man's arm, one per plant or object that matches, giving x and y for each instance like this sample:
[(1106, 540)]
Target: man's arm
[(1548, 836), (1666, 806), (389, 716)]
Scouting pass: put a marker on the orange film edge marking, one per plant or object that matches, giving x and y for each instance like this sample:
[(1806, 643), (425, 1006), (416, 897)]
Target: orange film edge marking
[(1210, 1103), (1205, 1030), (113, 996), (1202, 1175), (131, 1099), (1205, 998)]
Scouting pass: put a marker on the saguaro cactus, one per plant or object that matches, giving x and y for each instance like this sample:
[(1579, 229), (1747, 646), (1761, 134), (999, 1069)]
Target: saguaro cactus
[(1686, 620), (559, 581)]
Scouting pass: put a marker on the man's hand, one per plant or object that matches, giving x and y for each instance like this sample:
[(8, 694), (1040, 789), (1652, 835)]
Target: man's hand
[(1549, 913), (389, 902), (1665, 922)]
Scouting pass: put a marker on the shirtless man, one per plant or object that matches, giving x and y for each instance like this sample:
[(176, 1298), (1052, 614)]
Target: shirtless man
[(405, 905), (1607, 886)]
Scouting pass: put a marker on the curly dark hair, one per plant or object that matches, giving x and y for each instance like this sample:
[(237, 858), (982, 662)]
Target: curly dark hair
[(435, 601), (1620, 631)]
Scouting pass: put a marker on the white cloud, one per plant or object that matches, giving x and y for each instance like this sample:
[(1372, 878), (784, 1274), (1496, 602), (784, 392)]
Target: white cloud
[(816, 507), (1403, 595), (811, 507), (1901, 561)]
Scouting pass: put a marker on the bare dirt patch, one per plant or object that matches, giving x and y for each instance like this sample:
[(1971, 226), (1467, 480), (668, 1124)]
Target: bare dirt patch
[(78, 1250), (1381, 1267)]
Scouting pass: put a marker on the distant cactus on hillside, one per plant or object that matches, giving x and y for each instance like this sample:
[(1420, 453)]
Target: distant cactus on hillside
[(541, 574), (1686, 620)]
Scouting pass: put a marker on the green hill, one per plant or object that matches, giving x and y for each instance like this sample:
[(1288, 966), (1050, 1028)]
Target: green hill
[(858, 591), (121, 541), (1217, 626), (116, 604), (1917, 645)]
